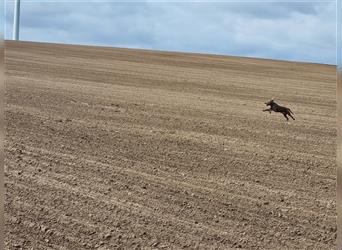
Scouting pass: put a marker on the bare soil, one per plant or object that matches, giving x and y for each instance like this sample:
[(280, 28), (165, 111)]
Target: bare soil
[(131, 149)]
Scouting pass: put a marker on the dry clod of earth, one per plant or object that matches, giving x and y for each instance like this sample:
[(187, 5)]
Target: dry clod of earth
[(132, 149)]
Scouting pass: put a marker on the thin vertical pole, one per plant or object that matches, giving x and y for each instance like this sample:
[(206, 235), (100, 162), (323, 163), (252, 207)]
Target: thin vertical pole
[(16, 21)]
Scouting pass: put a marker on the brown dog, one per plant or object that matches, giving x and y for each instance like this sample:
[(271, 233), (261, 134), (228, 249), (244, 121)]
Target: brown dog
[(277, 108)]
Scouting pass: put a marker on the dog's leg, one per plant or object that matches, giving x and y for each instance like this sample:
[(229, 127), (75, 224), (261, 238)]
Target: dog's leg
[(292, 117), (286, 116), (269, 110)]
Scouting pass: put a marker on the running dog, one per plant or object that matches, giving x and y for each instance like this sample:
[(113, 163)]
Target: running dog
[(277, 108)]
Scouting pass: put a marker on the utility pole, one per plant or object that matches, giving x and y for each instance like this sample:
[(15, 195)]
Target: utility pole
[(16, 21)]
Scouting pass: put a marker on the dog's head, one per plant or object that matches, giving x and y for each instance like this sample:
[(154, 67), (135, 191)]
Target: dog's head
[(269, 103)]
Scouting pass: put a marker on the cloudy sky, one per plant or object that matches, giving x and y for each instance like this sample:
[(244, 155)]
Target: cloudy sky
[(287, 30)]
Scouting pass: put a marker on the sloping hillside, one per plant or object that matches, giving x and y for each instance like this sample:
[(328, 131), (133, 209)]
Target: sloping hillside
[(131, 149)]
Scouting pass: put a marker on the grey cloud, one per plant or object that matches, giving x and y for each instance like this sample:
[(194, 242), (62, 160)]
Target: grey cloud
[(272, 10)]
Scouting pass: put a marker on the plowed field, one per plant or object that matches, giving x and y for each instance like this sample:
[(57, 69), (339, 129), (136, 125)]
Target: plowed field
[(130, 149)]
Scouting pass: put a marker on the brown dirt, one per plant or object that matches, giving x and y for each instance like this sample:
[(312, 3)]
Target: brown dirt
[(132, 149)]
